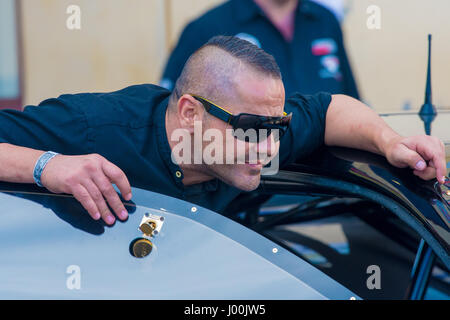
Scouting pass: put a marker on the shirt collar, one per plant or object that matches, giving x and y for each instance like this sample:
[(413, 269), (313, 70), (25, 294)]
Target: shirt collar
[(308, 9), (245, 10)]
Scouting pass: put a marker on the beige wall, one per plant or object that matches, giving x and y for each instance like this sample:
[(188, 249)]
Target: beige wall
[(122, 42), (183, 11), (390, 63)]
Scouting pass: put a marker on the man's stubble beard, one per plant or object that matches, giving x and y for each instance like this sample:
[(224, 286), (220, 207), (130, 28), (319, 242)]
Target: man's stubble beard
[(236, 178)]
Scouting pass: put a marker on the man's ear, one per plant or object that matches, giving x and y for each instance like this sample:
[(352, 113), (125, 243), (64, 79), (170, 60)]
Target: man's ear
[(189, 111)]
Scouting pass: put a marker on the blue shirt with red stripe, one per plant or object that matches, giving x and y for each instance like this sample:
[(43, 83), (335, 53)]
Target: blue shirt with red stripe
[(315, 60)]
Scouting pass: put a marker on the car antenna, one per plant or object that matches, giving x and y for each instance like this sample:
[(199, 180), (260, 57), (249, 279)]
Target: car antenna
[(428, 112)]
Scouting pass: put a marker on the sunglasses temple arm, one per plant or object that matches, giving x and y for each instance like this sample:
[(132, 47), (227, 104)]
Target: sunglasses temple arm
[(221, 114)]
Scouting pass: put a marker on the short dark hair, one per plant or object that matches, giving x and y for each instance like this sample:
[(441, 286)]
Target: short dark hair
[(239, 49), (248, 53)]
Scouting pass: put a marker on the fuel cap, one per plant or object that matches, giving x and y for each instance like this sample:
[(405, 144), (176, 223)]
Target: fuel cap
[(141, 247)]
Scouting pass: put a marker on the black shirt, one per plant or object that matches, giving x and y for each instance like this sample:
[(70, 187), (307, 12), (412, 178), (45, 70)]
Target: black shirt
[(127, 127), (315, 60)]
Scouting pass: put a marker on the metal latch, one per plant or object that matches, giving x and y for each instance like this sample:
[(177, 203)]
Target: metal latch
[(151, 224)]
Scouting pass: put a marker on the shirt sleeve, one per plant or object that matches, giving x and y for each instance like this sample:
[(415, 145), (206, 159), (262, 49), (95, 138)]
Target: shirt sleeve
[(350, 87), (51, 126), (307, 130)]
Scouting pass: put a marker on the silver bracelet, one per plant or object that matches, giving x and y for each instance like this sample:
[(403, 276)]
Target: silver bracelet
[(40, 166)]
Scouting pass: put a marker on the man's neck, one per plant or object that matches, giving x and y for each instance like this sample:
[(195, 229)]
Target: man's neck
[(192, 173), (277, 10), (281, 13)]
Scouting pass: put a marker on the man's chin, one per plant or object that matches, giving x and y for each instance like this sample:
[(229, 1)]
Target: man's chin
[(245, 180), (248, 185)]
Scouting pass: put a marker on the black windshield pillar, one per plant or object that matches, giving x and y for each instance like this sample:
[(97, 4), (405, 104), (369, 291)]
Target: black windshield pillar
[(421, 272)]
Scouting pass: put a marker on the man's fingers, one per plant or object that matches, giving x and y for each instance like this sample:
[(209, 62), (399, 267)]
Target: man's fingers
[(427, 148), (434, 151), (111, 196), (440, 165), (118, 177), (413, 159), (83, 196), (427, 174), (97, 196)]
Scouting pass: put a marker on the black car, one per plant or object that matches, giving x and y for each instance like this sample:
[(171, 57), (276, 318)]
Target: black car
[(357, 189), (173, 249)]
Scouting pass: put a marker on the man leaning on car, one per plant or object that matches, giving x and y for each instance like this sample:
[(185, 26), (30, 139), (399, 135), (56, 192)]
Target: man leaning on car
[(82, 144)]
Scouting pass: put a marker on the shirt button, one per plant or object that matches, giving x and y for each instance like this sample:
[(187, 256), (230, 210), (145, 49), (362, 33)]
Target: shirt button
[(178, 174)]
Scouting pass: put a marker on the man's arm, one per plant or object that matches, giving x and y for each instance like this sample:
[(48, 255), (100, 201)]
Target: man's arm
[(88, 178), (17, 163), (350, 123), (25, 136)]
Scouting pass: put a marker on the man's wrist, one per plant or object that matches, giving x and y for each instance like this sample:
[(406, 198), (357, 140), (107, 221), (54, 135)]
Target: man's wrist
[(40, 165), (384, 138)]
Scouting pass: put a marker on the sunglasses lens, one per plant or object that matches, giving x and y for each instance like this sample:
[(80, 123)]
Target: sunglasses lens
[(255, 128), (247, 121), (246, 128)]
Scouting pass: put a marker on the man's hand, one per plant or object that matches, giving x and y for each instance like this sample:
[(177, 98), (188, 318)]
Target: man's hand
[(89, 179), (415, 152), (352, 124)]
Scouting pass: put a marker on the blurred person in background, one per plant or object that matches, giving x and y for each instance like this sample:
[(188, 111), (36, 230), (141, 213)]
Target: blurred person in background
[(304, 37)]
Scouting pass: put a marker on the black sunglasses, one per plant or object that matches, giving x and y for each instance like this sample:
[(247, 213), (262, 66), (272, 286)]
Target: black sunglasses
[(246, 121)]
